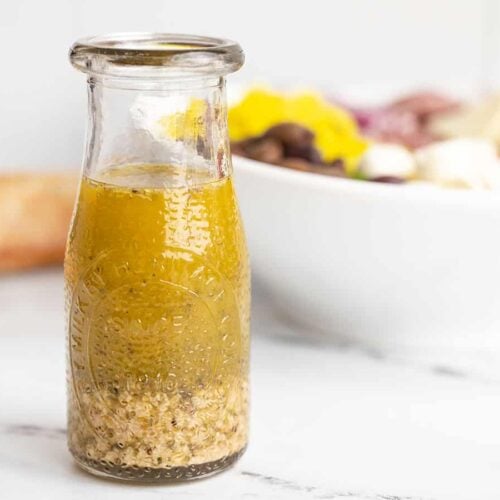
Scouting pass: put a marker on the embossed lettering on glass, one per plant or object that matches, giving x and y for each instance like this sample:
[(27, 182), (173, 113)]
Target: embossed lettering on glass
[(157, 276)]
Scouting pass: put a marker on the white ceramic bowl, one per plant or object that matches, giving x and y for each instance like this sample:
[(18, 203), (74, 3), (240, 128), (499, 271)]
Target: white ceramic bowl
[(404, 269)]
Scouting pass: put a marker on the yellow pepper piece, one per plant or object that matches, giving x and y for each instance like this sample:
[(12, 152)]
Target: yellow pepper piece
[(336, 132), (186, 125)]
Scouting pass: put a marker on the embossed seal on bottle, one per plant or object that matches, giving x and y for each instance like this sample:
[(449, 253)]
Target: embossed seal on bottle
[(164, 330)]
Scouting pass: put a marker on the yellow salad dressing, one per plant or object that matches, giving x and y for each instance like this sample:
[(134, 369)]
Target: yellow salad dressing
[(158, 309)]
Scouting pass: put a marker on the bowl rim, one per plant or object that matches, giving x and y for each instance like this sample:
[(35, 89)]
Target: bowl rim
[(414, 193)]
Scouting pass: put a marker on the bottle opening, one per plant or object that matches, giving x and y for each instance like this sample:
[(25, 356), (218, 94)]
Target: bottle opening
[(156, 55)]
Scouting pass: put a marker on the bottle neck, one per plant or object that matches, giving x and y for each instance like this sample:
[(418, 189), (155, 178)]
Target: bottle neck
[(175, 123)]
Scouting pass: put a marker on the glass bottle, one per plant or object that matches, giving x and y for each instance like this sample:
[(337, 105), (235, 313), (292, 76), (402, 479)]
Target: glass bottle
[(156, 269)]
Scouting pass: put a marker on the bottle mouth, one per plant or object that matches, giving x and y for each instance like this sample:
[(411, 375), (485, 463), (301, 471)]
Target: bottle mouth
[(156, 55)]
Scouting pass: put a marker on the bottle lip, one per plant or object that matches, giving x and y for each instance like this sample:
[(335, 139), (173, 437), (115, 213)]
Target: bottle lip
[(156, 55)]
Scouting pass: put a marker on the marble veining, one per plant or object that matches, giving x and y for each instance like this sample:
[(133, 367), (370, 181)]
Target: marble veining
[(327, 422), (34, 430), (319, 493)]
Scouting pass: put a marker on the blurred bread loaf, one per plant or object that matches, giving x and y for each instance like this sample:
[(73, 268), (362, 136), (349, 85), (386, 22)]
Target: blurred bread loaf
[(35, 211)]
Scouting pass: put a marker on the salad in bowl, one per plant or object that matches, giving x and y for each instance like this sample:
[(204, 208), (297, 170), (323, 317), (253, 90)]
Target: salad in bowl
[(424, 137)]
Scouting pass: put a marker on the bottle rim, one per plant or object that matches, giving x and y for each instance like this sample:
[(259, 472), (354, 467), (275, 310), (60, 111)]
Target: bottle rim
[(156, 55)]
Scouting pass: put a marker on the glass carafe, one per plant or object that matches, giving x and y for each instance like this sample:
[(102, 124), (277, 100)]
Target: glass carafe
[(156, 269)]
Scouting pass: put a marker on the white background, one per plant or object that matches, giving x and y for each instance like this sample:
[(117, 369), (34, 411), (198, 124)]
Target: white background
[(335, 44)]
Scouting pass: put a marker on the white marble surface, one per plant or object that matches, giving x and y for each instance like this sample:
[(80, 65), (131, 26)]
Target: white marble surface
[(326, 423)]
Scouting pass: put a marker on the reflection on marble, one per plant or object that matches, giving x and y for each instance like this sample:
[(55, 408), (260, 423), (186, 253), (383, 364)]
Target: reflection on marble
[(328, 422)]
